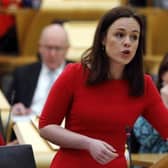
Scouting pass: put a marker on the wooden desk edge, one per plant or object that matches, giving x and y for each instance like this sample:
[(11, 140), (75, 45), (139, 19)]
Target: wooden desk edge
[(147, 159)]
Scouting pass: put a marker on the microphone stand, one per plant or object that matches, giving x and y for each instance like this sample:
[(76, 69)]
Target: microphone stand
[(1, 126), (128, 134), (9, 116)]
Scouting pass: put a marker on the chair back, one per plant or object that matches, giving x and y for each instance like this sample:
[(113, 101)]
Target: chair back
[(18, 156)]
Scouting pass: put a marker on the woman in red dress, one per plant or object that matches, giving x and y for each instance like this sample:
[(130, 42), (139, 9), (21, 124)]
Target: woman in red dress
[(102, 96)]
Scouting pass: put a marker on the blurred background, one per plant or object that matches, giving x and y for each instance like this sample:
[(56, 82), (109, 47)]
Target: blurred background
[(22, 22)]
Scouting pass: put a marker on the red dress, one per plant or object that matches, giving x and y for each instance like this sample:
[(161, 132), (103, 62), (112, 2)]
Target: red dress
[(101, 111)]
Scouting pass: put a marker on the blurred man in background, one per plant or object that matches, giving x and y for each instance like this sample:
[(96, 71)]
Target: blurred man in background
[(31, 83)]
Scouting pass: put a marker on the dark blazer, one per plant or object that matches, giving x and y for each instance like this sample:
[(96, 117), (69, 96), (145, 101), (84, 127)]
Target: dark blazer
[(24, 82)]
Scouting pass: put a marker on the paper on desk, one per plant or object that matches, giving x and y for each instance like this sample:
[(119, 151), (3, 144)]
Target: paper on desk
[(23, 118)]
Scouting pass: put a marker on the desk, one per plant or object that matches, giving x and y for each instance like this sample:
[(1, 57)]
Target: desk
[(146, 160), (27, 134), (4, 108), (4, 105)]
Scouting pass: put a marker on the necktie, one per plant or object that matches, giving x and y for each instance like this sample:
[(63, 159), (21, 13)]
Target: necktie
[(51, 78)]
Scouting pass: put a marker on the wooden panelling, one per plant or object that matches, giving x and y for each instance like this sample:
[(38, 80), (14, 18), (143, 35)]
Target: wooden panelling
[(31, 22)]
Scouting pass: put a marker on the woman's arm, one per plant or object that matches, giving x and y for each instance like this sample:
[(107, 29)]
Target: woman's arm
[(57, 106), (102, 152), (155, 110)]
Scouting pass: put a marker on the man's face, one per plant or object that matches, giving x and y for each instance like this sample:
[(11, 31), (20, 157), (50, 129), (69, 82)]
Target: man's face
[(53, 48)]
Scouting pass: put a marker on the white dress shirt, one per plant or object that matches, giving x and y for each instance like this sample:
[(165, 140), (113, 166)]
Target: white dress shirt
[(45, 81)]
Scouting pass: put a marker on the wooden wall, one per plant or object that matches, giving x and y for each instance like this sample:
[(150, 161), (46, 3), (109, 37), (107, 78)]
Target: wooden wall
[(31, 22)]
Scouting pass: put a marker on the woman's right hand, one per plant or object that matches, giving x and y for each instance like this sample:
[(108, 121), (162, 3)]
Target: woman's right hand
[(101, 151)]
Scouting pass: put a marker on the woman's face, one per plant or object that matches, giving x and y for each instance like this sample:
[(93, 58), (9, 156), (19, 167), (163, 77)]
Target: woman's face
[(121, 40), (165, 78)]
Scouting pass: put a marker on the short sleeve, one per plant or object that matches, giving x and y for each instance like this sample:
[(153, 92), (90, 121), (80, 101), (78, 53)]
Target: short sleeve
[(155, 112), (60, 97)]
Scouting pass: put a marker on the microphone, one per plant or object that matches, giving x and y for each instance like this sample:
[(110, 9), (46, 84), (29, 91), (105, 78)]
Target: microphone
[(12, 98), (128, 134)]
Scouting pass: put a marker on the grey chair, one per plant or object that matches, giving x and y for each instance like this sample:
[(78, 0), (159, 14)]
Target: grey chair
[(6, 81), (17, 156)]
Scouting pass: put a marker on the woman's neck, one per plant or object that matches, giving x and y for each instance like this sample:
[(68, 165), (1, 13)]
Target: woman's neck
[(116, 71)]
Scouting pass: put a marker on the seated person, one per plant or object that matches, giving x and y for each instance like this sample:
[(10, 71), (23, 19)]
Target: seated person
[(149, 139), (138, 3), (31, 83), (8, 38)]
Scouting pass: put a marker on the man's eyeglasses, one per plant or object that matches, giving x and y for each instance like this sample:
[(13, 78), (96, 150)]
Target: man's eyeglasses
[(55, 48)]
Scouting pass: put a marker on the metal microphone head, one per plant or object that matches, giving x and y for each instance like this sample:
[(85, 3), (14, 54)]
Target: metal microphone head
[(128, 130)]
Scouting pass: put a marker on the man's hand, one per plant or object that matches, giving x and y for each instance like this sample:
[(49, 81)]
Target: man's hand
[(20, 109)]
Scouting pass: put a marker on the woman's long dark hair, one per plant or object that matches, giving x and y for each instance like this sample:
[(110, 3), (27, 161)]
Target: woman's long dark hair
[(98, 62), (162, 69)]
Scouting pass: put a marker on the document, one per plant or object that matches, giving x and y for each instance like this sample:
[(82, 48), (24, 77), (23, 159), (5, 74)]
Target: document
[(23, 118)]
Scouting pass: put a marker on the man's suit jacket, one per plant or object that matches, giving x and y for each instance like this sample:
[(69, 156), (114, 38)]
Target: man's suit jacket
[(24, 83)]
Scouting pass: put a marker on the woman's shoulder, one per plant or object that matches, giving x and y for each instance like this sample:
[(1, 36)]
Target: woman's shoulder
[(74, 67), (148, 78), (149, 82), (71, 75)]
